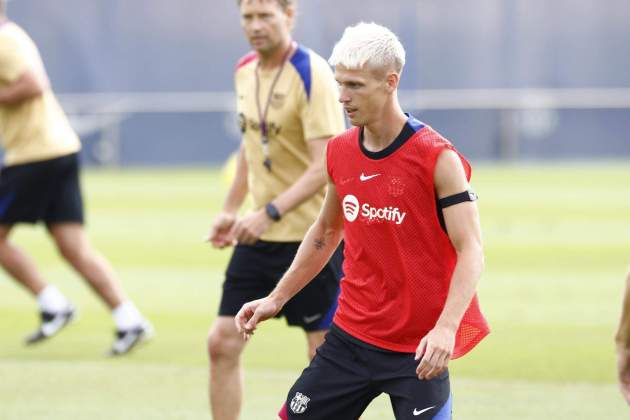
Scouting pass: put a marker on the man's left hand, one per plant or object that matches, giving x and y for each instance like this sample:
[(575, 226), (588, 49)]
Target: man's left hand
[(623, 371), (434, 352)]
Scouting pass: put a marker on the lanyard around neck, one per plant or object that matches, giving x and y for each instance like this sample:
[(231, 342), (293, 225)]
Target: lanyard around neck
[(262, 112)]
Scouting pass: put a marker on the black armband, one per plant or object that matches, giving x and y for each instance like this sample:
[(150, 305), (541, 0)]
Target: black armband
[(462, 197), (451, 200)]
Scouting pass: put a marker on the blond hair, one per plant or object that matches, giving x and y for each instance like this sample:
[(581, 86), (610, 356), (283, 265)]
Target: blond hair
[(368, 44)]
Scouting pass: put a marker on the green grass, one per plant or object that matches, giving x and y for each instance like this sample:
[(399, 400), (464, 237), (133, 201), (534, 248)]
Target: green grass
[(557, 243)]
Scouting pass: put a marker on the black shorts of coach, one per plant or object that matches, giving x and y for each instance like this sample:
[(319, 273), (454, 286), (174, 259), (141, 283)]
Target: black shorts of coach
[(47, 190), (254, 270), (346, 374)]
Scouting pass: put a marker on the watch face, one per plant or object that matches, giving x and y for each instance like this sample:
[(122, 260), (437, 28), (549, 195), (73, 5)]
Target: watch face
[(272, 212), (473, 195)]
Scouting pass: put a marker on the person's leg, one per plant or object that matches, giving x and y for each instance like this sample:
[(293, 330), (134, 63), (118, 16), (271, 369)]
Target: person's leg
[(411, 398), (74, 246), (426, 404), (335, 385), (63, 215), (25, 192), (225, 346), (251, 274), (55, 310), (18, 264)]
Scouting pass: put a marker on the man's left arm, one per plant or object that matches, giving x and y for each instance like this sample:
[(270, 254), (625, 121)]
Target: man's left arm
[(309, 183), (464, 231), (322, 118)]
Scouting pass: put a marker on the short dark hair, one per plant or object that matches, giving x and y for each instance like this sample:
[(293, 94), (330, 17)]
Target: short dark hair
[(283, 3)]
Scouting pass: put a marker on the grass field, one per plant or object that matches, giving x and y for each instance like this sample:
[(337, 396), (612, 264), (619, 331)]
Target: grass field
[(557, 242)]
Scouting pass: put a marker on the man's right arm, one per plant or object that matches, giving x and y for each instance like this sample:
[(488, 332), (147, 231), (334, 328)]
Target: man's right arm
[(28, 85), (238, 189), (22, 77), (219, 234), (315, 250)]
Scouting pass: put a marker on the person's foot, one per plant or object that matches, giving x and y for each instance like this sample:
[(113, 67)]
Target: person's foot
[(51, 324), (126, 340)]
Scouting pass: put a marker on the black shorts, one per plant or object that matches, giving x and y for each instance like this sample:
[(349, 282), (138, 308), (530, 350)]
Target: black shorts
[(48, 190), (254, 270), (344, 377)]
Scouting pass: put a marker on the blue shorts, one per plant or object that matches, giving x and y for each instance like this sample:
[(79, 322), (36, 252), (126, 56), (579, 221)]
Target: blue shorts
[(345, 376)]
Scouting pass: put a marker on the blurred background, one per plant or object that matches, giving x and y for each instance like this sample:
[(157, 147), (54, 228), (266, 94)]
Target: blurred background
[(150, 81), (535, 92)]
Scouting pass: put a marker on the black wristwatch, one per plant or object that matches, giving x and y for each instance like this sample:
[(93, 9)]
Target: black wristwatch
[(272, 212)]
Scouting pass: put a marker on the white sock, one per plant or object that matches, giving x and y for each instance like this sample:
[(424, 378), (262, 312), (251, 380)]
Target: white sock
[(50, 299), (127, 316)]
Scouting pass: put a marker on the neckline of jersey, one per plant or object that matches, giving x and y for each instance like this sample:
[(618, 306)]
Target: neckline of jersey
[(411, 127), (268, 73)]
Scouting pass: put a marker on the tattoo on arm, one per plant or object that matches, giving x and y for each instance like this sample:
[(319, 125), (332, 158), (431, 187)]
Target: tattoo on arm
[(319, 243)]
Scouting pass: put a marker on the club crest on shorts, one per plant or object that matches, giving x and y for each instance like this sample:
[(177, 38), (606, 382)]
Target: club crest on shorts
[(299, 403)]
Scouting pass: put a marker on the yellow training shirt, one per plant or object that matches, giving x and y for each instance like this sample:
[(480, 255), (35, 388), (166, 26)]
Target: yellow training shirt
[(303, 106), (34, 129)]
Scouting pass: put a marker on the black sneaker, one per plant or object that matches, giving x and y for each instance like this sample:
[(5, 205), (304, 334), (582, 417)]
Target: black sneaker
[(52, 323), (126, 340)]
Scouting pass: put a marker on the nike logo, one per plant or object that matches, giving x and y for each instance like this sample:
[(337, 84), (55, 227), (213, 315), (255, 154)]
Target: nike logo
[(309, 319), (418, 412), (367, 177)]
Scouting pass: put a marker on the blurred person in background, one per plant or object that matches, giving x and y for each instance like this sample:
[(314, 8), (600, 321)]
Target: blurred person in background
[(399, 196), (622, 340), (288, 109), (40, 182)]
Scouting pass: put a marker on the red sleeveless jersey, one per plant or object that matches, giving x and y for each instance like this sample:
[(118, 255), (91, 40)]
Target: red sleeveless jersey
[(398, 259)]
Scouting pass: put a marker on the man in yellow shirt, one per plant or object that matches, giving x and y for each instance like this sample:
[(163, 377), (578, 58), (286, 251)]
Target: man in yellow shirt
[(288, 109), (40, 182)]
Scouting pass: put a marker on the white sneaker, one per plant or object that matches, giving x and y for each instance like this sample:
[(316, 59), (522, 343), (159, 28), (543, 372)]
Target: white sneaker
[(51, 324), (126, 340)]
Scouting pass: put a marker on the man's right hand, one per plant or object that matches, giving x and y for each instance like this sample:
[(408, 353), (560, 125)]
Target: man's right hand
[(219, 235), (255, 312)]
